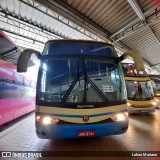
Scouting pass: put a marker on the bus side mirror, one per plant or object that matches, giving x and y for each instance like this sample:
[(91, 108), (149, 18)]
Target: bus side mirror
[(24, 58)]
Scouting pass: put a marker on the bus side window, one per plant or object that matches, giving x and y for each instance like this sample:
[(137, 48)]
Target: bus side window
[(115, 77)]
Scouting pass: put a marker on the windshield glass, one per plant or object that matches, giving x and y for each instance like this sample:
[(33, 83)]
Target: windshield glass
[(80, 80), (139, 91)]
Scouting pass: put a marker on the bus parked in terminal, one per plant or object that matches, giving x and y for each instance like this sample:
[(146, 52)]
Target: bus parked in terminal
[(80, 90), (17, 91), (139, 89)]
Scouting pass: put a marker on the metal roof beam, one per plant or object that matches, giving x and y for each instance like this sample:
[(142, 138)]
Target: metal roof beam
[(127, 31), (18, 24), (62, 8), (9, 31), (136, 9), (59, 19), (33, 24), (65, 10)]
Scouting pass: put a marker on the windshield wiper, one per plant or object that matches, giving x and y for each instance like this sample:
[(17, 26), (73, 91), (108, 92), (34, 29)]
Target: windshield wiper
[(98, 91), (70, 88), (139, 93)]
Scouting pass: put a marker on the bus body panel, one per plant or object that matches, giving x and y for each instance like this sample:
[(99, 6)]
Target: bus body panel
[(141, 106), (72, 130), (139, 90), (76, 115), (17, 93)]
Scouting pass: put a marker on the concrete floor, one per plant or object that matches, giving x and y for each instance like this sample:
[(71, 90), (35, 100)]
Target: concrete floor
[(143, 135)]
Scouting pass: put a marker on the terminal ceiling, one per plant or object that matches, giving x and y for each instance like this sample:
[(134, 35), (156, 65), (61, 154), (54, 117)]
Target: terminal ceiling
[(127, 24)]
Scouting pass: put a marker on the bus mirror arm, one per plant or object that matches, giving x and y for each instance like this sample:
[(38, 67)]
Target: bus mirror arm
[(24, 58), (136, 58), (121, 58)]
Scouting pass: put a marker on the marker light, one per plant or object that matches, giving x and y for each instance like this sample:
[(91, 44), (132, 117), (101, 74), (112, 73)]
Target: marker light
[(38, 118), (128, 104), (154, 103), (120, 116)]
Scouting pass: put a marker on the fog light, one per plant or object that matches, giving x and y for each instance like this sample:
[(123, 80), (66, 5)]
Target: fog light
[(157, 100), (154, 103), (47, 120), (120, 116)]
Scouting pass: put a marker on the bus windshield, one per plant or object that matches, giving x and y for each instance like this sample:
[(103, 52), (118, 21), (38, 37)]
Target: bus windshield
[(75, 72), (139, 91)]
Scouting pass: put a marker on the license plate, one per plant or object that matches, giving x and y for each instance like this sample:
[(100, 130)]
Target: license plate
[(86, 133)]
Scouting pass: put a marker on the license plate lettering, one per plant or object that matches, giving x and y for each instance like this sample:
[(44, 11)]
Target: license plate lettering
[(86, 133)]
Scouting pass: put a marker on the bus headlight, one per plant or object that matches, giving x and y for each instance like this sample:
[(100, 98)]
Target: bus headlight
[(46, 120), (154, 103), (128, 104), (157, 100), (120, 116), (158, 94)]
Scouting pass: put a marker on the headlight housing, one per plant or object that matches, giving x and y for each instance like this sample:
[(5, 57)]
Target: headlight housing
[(157, 100), (46, 120), (120, 116), (158, 94), (154, 103)]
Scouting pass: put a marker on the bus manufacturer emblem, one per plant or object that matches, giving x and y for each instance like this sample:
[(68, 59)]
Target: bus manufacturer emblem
[(85, 118)]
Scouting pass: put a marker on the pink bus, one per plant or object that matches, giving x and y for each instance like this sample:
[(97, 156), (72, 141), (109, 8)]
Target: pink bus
[(17, 91)]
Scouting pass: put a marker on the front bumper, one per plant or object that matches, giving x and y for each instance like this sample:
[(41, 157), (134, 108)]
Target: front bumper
[(140, 109), (71, 130)]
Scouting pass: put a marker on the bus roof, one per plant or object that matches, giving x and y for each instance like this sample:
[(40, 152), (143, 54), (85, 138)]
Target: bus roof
[(78, 40), (9, 50)]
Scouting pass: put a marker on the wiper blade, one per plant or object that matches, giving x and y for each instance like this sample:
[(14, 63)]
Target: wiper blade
[(97, 90), (70, 88), (139, 93)]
